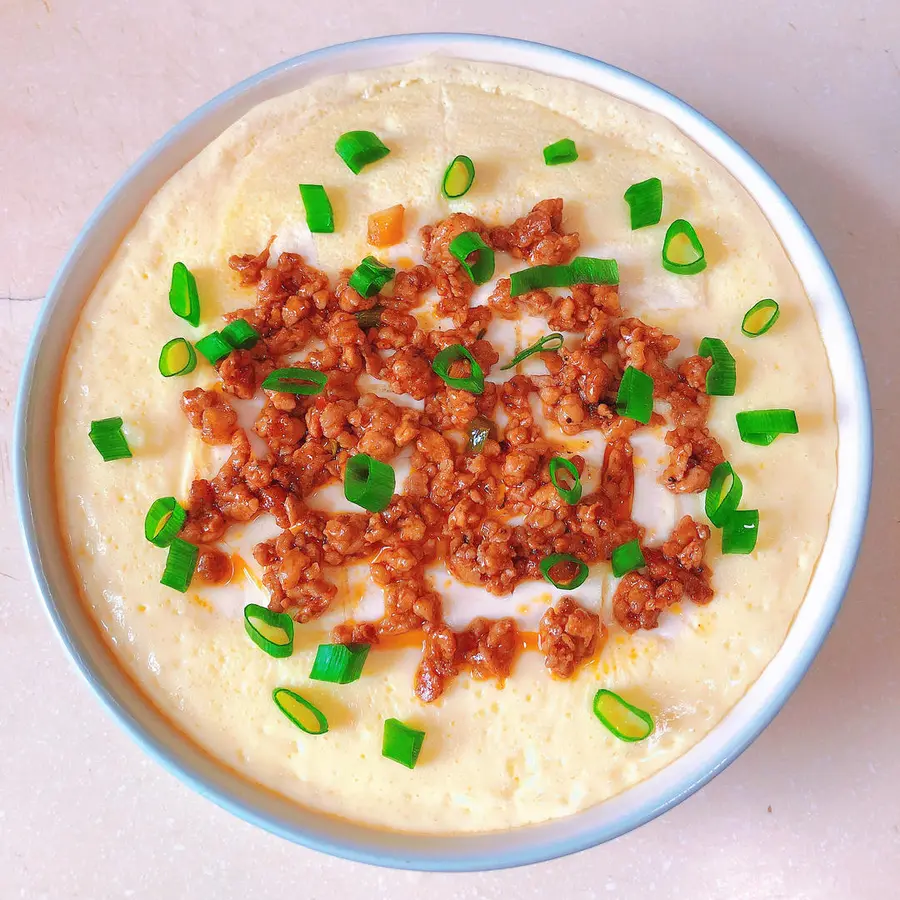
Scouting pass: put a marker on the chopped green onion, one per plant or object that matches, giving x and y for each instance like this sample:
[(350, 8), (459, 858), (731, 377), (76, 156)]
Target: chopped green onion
[(692, 267), (762, 426), (721, 379), (163, 521), (240, 334), (480, 430), (740, 531), (572, 494), (458, 178), (627, 557), (370, 276), (582, 270), (369, 318), (368, 482), (626, 722), (401, 743), (272, 632), (184, 299), (180, 565), (635, 397), (294, 707), (719, 508), (214, 347), (563, 151), (543, 345), (319, 215), (645, 201), (296, 380), (553, 560), (339, 663), (753, 315), (467, 243), (473, 382), (106, 435), (177, 357), (359, 149)]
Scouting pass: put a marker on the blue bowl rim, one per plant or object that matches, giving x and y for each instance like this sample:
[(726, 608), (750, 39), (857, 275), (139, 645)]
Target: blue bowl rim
[(435, 861)]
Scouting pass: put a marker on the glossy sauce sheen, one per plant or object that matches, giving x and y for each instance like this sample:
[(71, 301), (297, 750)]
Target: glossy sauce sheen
[(493, 758)]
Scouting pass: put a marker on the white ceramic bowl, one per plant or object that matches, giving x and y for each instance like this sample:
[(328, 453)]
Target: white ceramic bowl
[(35, 483)]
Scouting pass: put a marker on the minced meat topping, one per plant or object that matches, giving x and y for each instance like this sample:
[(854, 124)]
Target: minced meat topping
[(485, 510)]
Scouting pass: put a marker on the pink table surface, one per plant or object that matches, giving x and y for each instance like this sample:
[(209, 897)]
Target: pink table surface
[(812, 89)]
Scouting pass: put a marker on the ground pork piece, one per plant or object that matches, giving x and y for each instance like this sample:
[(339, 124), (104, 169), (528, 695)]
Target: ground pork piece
[(439, 664), (408, 603), (205, 522), (234, 497), (250, 267), (588, 305), (488, 647), (436, 240), (617, 479), (694, 370), (345, 538), (687, 544), (211, 414), (280, 430), (409, 371), (521, 427), (213, 566), (646, 347), (695, 453), (448, 408), (487, 556), (689, 406), (355, 633), (572, 393), (537, 236), (241, 373), (382, 427), (395, 330), (536, 303), (637, 603), (568, 636), (409, 285)]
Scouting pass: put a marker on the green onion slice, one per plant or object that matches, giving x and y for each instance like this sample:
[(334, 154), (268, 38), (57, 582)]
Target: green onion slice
[(184, 299), (627, 557), (760, 317), (240, 334), (319, 214), (691, 267), (563, 151), (180, 565), (458, 178), (571, 494), (554, 559), (762, 426), (369, 318), (480, 430), (177, 357), (163, 521), (339, 663), (272, 632), (359, 149), (370, 276), (401, 743), (635, 397), (627, 722), (645, 201), (214, 347), (546, 344), (296, 380), (106, 435), (467, 243), (721, 379), (368, 482), (473, 382), (740, 531), (582, 270), (297, 708), (719, 507)]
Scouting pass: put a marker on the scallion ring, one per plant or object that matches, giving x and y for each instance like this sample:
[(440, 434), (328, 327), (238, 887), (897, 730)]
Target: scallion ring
[(296, 380), (401, 743), (721, 379), (272, 632), (554, 559), (473, 382), (184, 300), (359, 149), (458, 178), (463, 246), (678, 228), (317, 206), (546, 344), (760, 317), (563, 151), (571, 494), (109, 439), (481, 429), (762, 426), (635, 396), (240, 334), (626, 722), (627, 557), (370, 276), (645, 202), (369, 318), (177, 357), (180, 565), (339, 663), (368, 482), (582, 270), (214, 347), (295, 708), (741, 531), (718, 507), (163, 521)]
